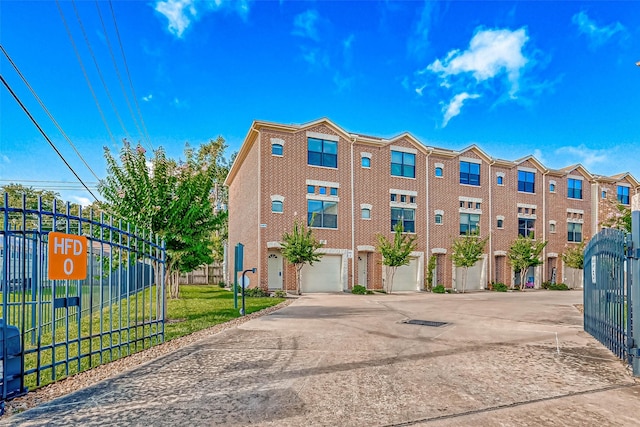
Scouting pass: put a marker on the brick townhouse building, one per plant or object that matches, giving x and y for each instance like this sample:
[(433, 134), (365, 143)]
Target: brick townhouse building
[(359, 186)]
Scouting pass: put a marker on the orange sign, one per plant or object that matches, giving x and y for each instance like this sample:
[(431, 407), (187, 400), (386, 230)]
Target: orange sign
[(67, 256)]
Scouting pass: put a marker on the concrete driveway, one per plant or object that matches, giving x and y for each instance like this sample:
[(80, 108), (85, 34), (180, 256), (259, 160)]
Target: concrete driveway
[(508, 359)]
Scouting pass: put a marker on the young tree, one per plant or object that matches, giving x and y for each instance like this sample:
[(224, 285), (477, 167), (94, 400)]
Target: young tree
[(523, 254), (395, 253), (573, 257), (173, 199), (467, 250), (299, 248), (619, 217)]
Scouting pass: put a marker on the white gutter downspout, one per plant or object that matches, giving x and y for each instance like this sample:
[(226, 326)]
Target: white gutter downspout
[(354, 263), (428, 254), (259, 208), (544, 226), (491, 257)]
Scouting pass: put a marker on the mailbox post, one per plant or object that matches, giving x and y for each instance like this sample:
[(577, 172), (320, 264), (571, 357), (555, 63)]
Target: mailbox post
[(244, 285)]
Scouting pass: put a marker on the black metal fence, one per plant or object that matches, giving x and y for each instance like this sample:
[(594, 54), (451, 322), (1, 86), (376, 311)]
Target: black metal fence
[(50, 329), (607, 291)]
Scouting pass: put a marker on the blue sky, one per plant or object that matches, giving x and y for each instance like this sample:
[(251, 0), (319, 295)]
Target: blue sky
[(553, 79)]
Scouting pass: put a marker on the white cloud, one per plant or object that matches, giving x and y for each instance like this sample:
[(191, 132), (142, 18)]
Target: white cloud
[(419, 40), (5, 159), (491, 53), (586, 156), (597, 35), (182, 13), (455, 105), (82, 201), (148, 97), (305, 25)]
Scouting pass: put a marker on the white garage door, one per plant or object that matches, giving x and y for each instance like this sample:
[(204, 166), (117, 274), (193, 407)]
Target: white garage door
[(406, 278), (323, 276), (474, 277)]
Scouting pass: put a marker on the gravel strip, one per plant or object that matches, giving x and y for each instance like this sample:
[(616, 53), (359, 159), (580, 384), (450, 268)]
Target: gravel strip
[(102, 372)]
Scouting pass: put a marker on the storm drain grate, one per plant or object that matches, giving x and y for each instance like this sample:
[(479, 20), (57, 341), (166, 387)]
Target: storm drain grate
[(425, 323)]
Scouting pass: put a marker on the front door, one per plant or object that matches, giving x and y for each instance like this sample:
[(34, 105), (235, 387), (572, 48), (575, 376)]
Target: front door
[(274, 265), (362, 269)]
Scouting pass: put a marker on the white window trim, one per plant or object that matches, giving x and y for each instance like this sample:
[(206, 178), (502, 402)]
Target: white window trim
[(277, 198), (525, 205), (469, 199), (470, 160), (439, 212), (403, 192), (278, 141), (366, 155), (323, 197), (403, 149), (323, 183), (365, 206), (324, 136), (523, 169), (403, 205), (578, 177), (438, 251), (575, 211)]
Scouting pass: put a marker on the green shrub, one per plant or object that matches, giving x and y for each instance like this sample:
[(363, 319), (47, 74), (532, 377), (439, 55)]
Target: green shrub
[(255, 292), (359, 290), (500, 287), (546, 285), (438, 289), (558, 287), (280, 293), (222, 284)]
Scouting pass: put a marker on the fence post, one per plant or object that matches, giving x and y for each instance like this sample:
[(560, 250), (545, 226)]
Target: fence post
[(635, 282)]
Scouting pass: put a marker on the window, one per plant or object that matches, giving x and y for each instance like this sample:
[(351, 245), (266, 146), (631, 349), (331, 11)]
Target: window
[(604, 194), (322, 153), (552, 187), (403, 164), (438, 218), (406, 217), (276, 149), (322, 190), (526, 226), (500, 180), (276, 206), (574, 232), (574, 189), (333, 191), (469, 173), (552, 227), (500, 223), (439, 172), (412, 199), (324, 214), (623, 195), (365, 213), (526, 181), (469, 223), (394, 197), (366, 162), (403, 198), (311, 189)]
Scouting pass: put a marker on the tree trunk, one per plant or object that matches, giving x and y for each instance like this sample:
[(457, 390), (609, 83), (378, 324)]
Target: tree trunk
[(391, 272), (523, 275), (464, 279), (299, 278)]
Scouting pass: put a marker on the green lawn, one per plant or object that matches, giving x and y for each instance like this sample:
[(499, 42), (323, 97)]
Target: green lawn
[(200, 307)]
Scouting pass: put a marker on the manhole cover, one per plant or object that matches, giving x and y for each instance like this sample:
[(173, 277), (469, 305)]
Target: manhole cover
[(425, 322)]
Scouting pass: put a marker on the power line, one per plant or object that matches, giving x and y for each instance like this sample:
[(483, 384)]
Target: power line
[(84, 71), (115, 65), (45, 135), (35, 95), (124, 58), (95, 62)]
